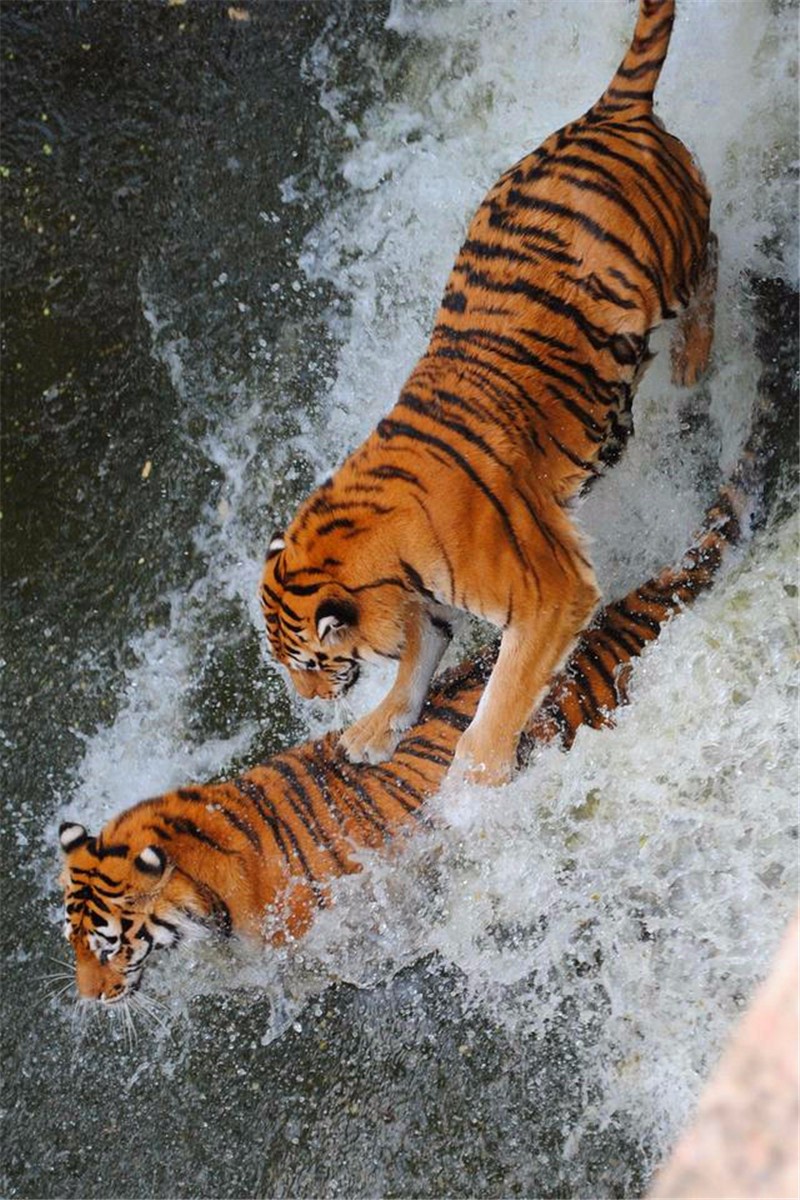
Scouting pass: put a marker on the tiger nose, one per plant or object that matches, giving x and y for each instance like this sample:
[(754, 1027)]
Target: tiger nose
[(95, 981), (112, 991), (89, 979)]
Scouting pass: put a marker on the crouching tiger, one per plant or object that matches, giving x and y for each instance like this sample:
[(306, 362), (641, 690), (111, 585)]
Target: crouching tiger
[(226, 854), (459, 498)]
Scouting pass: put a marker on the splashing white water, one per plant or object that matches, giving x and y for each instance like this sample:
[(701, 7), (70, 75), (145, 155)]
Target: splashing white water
[(647, 874)]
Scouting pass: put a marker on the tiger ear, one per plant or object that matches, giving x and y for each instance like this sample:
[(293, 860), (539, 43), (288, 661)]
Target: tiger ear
[(151, 861), (334, 616), (276, 543), (71, 835)]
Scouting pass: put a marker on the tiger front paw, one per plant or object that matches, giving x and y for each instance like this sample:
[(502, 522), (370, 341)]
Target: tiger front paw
[(374, 737), (487, 761)]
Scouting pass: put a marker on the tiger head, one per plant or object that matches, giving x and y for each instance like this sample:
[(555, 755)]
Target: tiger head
[(121, 902), (313, 625)]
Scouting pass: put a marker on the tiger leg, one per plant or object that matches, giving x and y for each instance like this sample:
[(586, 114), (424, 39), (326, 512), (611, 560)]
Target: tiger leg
[(374, 737), (690, 348), (532, 648)]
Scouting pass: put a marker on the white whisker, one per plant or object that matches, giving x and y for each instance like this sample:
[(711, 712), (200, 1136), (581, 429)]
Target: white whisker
[(61, 962), (149, 1010), (52, 996), (122, 1014)]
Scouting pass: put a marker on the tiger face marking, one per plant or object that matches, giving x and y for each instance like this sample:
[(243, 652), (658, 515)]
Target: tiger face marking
[(312, 627), (120, 904)]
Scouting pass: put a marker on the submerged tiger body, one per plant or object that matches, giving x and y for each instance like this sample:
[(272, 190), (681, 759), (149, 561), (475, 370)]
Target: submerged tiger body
[(255, 855), (459, 498)]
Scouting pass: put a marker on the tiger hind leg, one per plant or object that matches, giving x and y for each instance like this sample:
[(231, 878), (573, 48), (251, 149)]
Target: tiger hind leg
[(690, 348)]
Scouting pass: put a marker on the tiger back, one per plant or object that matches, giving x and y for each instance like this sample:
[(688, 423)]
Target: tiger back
[(458, 500)]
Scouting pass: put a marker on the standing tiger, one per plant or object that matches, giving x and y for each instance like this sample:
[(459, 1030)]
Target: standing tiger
[(254, 855), (459, 499)]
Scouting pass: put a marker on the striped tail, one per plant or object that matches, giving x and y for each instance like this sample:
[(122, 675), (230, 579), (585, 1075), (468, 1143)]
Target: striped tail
[(595, 681), (637, 74)]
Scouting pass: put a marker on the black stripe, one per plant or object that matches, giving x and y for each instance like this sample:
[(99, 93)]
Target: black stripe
[(446, 713), (402, 790), (416, 580), (595, 289), (95, 873), (408, 400), (303, 805), (598, 337), (587, 467), (596, 663), (630, 94), (318, 763), (301, 589), (90, 888), (642, 125), (118, 851), (503, 342), (594, 430), (599, 233), (383, 582), (629, 642), (513, 400), (387, 472), (496, 250), (584, 694), (276, 825), (635, 164), (336, 523), (455, 301), (368, 809), (327, 801), (613, 194), (482, 367), (500, 219), (646, 67), (185, 826), (159, 831), (218, 909), (440, 546), (660, 595), (191, 795), (555, 712), (243, 826), (643, 620), (87, 893), (419, 746), (389, 429), (161, 923)]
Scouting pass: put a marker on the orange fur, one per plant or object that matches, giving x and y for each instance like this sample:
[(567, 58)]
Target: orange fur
[(254, 855), (458, 499)]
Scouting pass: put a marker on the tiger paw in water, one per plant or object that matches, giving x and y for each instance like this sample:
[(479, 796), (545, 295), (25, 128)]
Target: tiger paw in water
[(373, 738), (481, 760)]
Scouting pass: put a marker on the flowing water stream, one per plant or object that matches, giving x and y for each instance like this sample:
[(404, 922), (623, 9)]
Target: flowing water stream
[(224, 243)]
